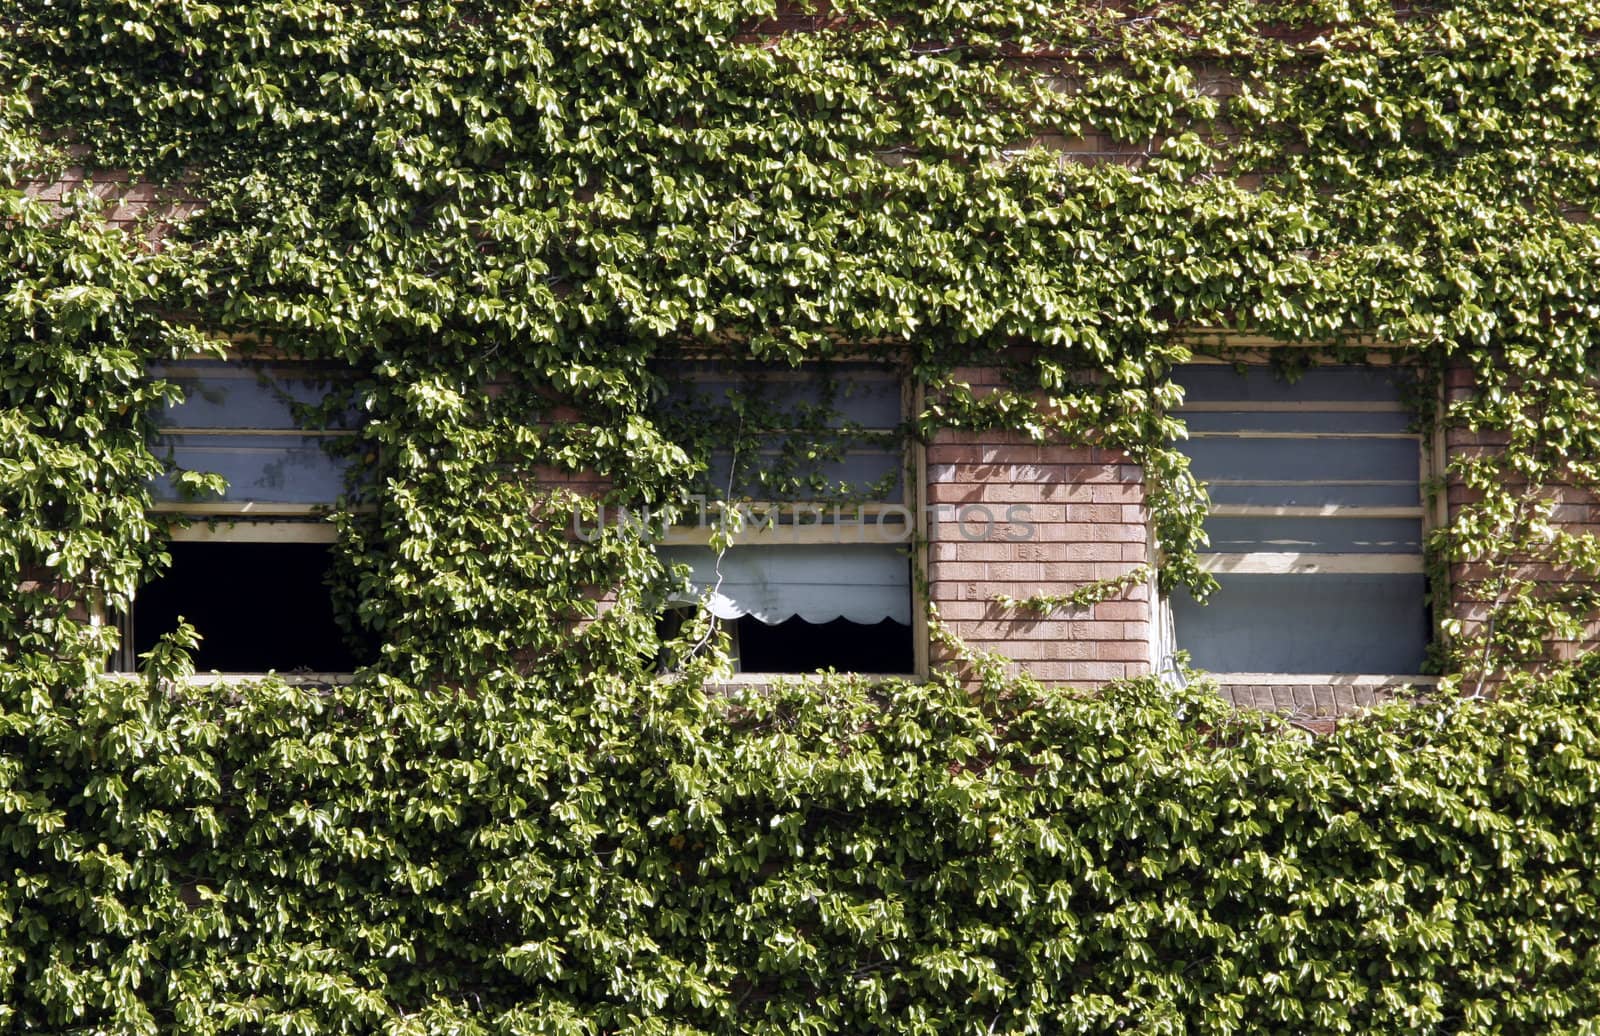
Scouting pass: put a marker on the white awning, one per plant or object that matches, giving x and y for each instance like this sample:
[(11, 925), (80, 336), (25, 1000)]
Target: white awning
[(863, 583)]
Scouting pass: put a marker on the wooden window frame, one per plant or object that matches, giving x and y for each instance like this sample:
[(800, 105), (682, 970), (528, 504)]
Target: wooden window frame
[(1429, 513), (914, 533)]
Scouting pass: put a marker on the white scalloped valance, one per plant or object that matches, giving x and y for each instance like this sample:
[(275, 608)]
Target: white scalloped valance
[(863, 583)]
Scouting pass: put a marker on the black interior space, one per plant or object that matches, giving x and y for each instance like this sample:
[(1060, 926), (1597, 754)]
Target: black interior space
[(257, 606), (798, 646)]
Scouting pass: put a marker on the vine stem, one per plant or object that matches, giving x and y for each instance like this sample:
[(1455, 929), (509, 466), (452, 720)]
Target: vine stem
[(722, 548), (1517, 525)]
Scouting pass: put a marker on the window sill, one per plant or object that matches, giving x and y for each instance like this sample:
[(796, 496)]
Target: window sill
[(1317, 697), (1330, 679), (756, 681)]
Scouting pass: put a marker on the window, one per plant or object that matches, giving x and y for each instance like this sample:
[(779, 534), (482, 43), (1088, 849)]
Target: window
[(1316, 525), (258, 606), (815, 458), (248, 423), (251, 573)]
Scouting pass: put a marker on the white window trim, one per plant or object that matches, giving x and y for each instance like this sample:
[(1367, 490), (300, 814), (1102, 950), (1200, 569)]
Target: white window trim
[(914, 480), (318, 528), (1431, 461), (215, 679)]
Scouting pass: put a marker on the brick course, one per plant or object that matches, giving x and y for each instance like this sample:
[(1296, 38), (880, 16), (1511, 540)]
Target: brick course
[(140, 208), (1576, 512), (1081, 519)]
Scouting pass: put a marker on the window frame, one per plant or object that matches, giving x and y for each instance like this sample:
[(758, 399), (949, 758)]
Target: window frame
[(225, 521), (244, 511), (914, 535), (1430, 512)]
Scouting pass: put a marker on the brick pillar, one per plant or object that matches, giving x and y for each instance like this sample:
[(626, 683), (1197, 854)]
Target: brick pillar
[(1576, 512), (1076, 516)]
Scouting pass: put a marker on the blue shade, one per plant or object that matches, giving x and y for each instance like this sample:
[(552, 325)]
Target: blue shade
[(280, 469), (234, 394), (1304, 460), (1316, 494), (1314, 535), (1307, 624), (241, 421), (1221, 383), (1311, 455), (817, 582), (1316, 422)]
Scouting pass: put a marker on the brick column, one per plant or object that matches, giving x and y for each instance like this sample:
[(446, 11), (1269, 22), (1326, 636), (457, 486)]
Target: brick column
[(1015, 518), (1576, 511)]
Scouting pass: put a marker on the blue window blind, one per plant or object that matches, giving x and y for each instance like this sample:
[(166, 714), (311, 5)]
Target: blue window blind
[(244, 422), (1316, 534)]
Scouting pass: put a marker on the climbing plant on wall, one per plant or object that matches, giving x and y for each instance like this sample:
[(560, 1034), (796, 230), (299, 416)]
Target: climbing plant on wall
[(543, 198), (501, 217)]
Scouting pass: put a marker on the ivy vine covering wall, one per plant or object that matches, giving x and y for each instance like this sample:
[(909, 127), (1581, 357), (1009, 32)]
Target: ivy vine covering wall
[(899, 860), (452, 196), (500, 216)]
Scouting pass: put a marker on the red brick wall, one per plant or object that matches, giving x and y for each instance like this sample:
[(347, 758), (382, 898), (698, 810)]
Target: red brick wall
[(1576, 511), (1317, 706), (1081, 519), (139, 208)]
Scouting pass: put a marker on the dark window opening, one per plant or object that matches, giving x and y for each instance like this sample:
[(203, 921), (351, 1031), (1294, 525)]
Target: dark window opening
[(257, 606), (798, 646)]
